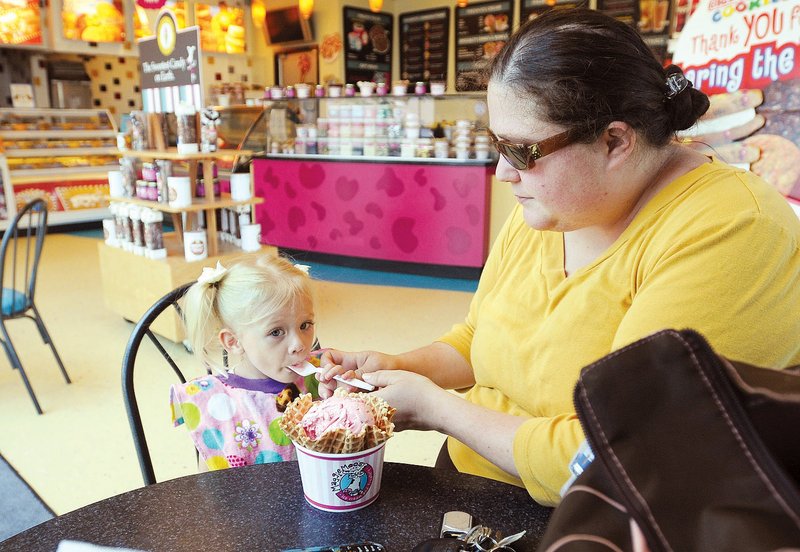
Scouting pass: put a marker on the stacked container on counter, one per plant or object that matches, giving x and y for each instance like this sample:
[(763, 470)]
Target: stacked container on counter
[(374, 125)]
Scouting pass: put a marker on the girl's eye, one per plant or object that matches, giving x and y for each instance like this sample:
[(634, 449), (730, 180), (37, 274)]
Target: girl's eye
[(277, 332), (306, 325)]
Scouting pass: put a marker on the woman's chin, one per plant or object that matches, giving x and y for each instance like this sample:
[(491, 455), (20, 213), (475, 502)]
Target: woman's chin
[(539, 220)]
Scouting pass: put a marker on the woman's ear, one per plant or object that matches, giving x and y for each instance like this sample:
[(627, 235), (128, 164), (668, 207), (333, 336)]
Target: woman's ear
[(620, 139), (229, 341)]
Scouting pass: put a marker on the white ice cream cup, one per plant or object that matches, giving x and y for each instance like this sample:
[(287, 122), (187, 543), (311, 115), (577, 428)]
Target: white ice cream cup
[(240, 187), (116, 184), (341, 482), (195, 245), (437, 88), (250, 237), (180, 191)]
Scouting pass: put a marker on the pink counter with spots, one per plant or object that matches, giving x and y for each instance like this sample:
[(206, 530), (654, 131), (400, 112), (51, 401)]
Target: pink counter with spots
[(396, 211)]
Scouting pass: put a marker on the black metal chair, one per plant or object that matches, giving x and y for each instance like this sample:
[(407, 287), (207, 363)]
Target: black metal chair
[(141, 330), (20, 252)]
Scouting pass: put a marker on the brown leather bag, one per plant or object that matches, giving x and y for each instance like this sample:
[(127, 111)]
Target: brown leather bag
[(693, 452)]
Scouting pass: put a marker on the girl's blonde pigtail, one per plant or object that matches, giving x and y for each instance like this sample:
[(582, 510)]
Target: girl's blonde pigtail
[(202, 323)]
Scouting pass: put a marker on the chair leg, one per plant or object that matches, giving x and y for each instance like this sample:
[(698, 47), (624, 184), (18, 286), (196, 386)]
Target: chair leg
[(47, 339), (15, 362)]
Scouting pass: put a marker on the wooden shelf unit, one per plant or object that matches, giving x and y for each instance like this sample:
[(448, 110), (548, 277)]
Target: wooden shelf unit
[(206, 205)]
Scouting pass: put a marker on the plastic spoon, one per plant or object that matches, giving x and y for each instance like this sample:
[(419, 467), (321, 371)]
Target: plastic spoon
[(306, 369)]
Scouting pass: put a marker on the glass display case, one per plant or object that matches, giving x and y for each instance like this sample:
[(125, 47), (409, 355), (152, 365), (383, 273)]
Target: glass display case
[(446, 127), (234, 122), (61, 156), (389, 179)]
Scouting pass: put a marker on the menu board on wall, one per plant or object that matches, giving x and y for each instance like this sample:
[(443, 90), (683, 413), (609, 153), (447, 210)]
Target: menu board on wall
[(367, 46), (531, 9), (424, 36), (626, 11), (93, 20), (20, 22), (221, 28), (482, 29)]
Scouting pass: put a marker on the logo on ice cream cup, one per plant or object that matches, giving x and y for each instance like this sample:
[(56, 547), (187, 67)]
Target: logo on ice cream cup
[(352, 481), (340, 482)]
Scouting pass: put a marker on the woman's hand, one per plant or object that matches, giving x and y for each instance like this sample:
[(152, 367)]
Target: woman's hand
[(349, 365), (423, 405), (415, 397)]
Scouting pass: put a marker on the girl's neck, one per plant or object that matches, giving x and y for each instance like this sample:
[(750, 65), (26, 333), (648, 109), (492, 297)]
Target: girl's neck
[(247, 370)]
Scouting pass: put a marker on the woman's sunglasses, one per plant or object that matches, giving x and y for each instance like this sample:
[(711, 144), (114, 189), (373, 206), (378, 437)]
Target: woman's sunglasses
[(523, 156)]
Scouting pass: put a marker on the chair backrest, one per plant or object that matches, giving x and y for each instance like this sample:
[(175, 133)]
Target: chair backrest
[(20, 251), (142, 329)]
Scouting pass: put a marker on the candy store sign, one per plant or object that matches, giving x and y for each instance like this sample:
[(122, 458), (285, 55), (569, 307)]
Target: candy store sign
[(171, 57), (729, 45)]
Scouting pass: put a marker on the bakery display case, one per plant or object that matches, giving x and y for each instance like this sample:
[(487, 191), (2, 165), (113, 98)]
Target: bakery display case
[(61, 156), (397, 179)]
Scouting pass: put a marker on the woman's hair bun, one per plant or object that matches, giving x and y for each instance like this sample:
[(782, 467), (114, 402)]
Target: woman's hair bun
[(686, 106)]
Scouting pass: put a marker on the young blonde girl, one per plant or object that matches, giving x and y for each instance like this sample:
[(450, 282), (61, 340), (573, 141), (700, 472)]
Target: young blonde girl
[(259, 313)]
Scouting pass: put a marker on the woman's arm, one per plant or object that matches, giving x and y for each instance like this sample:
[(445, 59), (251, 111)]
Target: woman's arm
[(439, 362), (421, 404)]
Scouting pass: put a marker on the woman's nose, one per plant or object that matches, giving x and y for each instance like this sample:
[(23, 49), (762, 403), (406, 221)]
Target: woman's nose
[(505, 172)]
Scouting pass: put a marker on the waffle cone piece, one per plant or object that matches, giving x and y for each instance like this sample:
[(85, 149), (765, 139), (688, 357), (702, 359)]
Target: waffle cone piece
[(339, 441)]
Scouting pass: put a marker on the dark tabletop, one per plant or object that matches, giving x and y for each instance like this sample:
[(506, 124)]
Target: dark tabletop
[(260, 508)]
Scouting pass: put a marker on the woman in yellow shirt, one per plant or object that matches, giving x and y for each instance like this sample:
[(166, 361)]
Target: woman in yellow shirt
[(620, 231)]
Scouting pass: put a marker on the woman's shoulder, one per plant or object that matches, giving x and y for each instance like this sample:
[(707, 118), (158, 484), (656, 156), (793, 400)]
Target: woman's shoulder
[(717, 193)]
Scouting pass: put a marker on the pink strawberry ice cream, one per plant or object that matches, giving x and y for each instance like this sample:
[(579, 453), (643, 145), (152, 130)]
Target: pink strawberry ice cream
[(336, 413)]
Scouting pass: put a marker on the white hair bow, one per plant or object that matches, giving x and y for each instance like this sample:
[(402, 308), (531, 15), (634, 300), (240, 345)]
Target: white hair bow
[(212, 275)]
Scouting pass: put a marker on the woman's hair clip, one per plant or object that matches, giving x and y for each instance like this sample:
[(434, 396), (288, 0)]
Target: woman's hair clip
[(676, 83), (303, 268), (211, 276)]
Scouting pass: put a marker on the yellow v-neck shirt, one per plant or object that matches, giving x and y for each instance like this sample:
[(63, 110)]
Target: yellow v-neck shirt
[(716, 251)]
